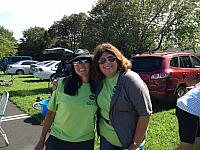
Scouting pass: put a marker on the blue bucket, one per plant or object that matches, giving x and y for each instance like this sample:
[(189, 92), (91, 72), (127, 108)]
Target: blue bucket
[(43, 107)]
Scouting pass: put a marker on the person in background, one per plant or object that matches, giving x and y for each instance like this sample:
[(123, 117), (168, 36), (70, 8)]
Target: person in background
[(188, 115), (71, 111), (64, 69), (123, 100), (65, 66)]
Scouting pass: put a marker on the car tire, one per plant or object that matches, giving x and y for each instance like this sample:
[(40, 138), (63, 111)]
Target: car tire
[(19, 72), (180, 92)]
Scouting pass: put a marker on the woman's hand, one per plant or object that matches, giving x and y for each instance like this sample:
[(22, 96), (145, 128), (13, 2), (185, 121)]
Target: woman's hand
[(40, 145), (133, 147), (55, 84)]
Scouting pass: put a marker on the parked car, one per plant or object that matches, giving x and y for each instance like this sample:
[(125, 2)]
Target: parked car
[(167, 74), (45, 72), (11, 60), (33, 66), (21, 67)]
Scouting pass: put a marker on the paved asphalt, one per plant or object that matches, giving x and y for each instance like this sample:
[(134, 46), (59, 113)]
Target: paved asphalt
[(22, 131)]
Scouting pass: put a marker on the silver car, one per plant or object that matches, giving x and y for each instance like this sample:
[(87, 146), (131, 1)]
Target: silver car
[(42, 63), (20, 67), (45, 71)]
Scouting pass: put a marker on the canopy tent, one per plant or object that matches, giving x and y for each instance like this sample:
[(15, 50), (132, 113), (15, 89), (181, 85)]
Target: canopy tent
[(57, 50)]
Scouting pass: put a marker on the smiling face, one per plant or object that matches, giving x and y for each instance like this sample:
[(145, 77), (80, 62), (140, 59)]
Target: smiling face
[(82, 68), (108, 64)]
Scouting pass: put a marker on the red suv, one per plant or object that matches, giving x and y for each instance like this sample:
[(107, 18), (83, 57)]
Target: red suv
[(167, 74)]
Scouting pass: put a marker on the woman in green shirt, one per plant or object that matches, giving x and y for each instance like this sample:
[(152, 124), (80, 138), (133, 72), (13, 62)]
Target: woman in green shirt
[(71, 111), (123, 99)]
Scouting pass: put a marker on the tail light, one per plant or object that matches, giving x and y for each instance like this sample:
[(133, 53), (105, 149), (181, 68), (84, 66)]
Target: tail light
[(160, 75)]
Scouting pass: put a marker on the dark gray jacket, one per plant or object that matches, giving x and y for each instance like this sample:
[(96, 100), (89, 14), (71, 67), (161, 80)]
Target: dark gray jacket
[(130, 100)]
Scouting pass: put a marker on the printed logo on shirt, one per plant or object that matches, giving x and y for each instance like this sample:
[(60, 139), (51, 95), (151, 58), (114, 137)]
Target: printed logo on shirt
[(114, 88), (92, 100), (113, 91)]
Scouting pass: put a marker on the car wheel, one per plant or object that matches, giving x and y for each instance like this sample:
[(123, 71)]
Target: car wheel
[(19, 72), (180, 92)]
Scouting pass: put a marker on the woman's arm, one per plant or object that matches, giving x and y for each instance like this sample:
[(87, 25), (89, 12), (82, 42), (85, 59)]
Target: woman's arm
[(140, 132), (138, 94), (46, 126)]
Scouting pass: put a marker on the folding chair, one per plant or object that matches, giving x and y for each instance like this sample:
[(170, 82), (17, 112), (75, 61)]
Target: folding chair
[(3, 104)]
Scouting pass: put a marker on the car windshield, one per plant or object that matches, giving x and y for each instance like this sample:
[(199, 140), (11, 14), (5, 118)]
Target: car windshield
[(50, 63), (19, 62), (146, 64), (43, 63)]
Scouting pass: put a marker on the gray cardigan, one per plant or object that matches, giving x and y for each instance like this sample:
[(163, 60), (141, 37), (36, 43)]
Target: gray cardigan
[(130, 100)]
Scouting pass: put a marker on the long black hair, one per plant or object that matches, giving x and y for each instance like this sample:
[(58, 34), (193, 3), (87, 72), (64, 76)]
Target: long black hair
[(73, 82)]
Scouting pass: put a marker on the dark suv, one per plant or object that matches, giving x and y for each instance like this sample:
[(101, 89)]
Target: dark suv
[(167, 74)]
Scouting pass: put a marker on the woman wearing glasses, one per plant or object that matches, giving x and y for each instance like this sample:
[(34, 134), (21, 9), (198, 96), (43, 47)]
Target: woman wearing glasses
[(123, 100), (71, 111)]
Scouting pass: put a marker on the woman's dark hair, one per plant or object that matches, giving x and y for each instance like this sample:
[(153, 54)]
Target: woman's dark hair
[(123, 63), (73, 82)]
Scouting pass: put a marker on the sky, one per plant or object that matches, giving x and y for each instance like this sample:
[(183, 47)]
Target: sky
[(19, 15)]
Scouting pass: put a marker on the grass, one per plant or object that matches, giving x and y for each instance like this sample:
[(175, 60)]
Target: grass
[(163, 127), (24, 92)]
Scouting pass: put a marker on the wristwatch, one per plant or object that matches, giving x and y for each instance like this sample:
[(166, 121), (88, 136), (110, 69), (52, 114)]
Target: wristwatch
[(137, 145)]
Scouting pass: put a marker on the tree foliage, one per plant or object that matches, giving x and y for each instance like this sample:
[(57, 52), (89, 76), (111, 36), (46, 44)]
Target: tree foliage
[(8, 45), (69, 31), (143, 25), (134, 26), (34, 42)]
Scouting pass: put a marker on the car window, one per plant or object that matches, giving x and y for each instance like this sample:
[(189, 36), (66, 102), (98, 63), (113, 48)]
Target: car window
[(16, 59), (44, 63), (27, 63), (146, 64), (174, 62), (185, 62), (196, 62), (39, 63), (26, 58), (49, 64), (56, 66), (5, 60)]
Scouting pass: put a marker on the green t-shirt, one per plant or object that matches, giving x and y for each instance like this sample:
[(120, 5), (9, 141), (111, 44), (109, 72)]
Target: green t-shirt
[(75, 115), (103, 100)]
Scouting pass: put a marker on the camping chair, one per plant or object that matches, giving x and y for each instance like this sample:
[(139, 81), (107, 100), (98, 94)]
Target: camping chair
[(3, 104)]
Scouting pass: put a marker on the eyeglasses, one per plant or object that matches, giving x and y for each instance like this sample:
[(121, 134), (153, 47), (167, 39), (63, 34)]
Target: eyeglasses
[(109, 58), (82, 61)]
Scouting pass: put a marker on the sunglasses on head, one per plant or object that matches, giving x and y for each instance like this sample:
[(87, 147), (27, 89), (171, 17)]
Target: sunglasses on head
[(109, 58), (81, 61)]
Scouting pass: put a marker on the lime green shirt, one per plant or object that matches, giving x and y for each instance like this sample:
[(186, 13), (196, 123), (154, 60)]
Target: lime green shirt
[(103, 100), (75, 115)]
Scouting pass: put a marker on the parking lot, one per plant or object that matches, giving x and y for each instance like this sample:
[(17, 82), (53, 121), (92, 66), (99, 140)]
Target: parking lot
[(22, 130)]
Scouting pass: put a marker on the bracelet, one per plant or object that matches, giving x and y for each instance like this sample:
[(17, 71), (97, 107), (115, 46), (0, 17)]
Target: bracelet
[(136, 144)]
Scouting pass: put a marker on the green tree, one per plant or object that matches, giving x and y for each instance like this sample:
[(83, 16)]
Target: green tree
[(138, 26), (34, 41), (68, 32), (8, 45)]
